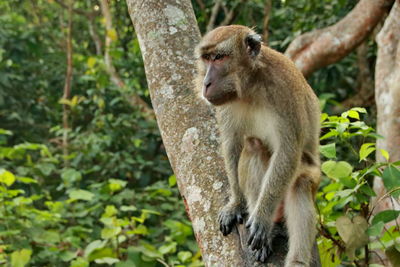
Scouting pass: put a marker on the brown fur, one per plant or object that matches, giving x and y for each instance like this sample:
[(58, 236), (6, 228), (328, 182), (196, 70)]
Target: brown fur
[(269, 129)]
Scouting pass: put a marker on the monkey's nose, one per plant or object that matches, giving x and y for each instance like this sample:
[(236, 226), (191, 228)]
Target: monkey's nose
[(206, 86)]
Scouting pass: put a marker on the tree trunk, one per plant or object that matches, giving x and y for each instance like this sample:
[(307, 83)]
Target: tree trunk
[(387, 96), (167, 32)]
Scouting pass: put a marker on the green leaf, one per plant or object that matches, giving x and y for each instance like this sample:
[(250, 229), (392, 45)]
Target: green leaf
[(49, 236), (21, 257), (172, 180), (354, 114), (384, 153), (366, 149), (107, 260), (391, 179), (112, 34), (101, 253), (385, 216), (97, 244), (332, 133), (366, 189), (128, 208), (6, 177), (91, 62), (324, 116), (26, 180), (81, 194), (328, 150), (336, 170), (110, 232), (168, 248), (5, 132), (71, 176), (140, 230), (184, 256), (116, 184), (80, 262), (376, 229), (110, 211), (149, 250), (360, 110)]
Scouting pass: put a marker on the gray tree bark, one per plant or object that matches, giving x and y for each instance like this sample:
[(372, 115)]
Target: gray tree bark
[(167, 32), (387, 97)]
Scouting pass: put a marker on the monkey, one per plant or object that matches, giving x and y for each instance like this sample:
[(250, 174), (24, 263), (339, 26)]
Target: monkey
[(269, 122)]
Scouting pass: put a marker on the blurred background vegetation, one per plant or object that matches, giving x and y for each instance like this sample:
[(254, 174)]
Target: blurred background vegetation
[(112, 199)]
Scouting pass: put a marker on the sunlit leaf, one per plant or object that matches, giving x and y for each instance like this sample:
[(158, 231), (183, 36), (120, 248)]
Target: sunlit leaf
[(6, 177), (81, 194), (366, 149), (20, 258), (337, 169)]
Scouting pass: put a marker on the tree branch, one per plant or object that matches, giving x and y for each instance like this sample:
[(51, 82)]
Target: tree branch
[(68, 81), (364, 96), (115, 78), (322, 47), (267, 13), (213, 16), (87, 14)]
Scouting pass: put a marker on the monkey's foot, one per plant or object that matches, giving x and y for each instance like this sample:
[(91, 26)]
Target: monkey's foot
[(263, 253), (258, 233), (228, 217)]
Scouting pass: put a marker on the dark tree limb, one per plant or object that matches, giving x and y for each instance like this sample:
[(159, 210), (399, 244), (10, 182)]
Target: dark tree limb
[(319, 48)]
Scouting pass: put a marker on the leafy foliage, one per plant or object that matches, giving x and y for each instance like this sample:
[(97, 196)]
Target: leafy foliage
[(112, 200), (346, 222)]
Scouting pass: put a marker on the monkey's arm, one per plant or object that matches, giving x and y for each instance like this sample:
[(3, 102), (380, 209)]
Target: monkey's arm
[(233, 212), (284, 162), (231, 148)]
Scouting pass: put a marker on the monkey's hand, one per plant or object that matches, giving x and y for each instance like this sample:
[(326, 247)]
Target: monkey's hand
[(259, 237), (229, 216)]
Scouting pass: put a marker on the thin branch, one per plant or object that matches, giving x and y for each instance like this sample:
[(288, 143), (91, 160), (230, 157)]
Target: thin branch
[(214, 14), (95, 37), (91, 14), (68, 81), (93, 32), (365, 94), (267, 14), (230, 14), (115, 78), (203, 9)]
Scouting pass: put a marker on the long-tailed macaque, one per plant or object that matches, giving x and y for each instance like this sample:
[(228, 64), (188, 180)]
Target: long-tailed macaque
[(268, 117)]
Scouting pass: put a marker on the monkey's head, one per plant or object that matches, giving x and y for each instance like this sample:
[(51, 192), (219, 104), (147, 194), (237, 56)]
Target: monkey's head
[(225, 54)]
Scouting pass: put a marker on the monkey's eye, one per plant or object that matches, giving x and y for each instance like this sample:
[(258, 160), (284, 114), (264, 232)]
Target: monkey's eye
[(206, 57), (219, 56)]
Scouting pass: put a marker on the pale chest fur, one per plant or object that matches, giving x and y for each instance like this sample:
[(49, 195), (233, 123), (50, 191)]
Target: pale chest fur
[(252, 121)]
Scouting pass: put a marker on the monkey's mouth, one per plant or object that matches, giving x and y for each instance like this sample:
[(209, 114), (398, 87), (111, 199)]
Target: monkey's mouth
[(220, 99)]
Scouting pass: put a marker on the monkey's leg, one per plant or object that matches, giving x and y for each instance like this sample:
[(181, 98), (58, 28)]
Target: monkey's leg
[(300, 221)]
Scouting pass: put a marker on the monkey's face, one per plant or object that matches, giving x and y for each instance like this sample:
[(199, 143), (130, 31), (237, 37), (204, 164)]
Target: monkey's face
[(218, 85), (223, 54)]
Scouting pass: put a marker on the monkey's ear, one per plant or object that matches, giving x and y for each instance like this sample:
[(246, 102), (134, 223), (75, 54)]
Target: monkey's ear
[(253, 44)]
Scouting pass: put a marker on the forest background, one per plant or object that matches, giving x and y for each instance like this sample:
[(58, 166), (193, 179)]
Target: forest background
[(84, 175)]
